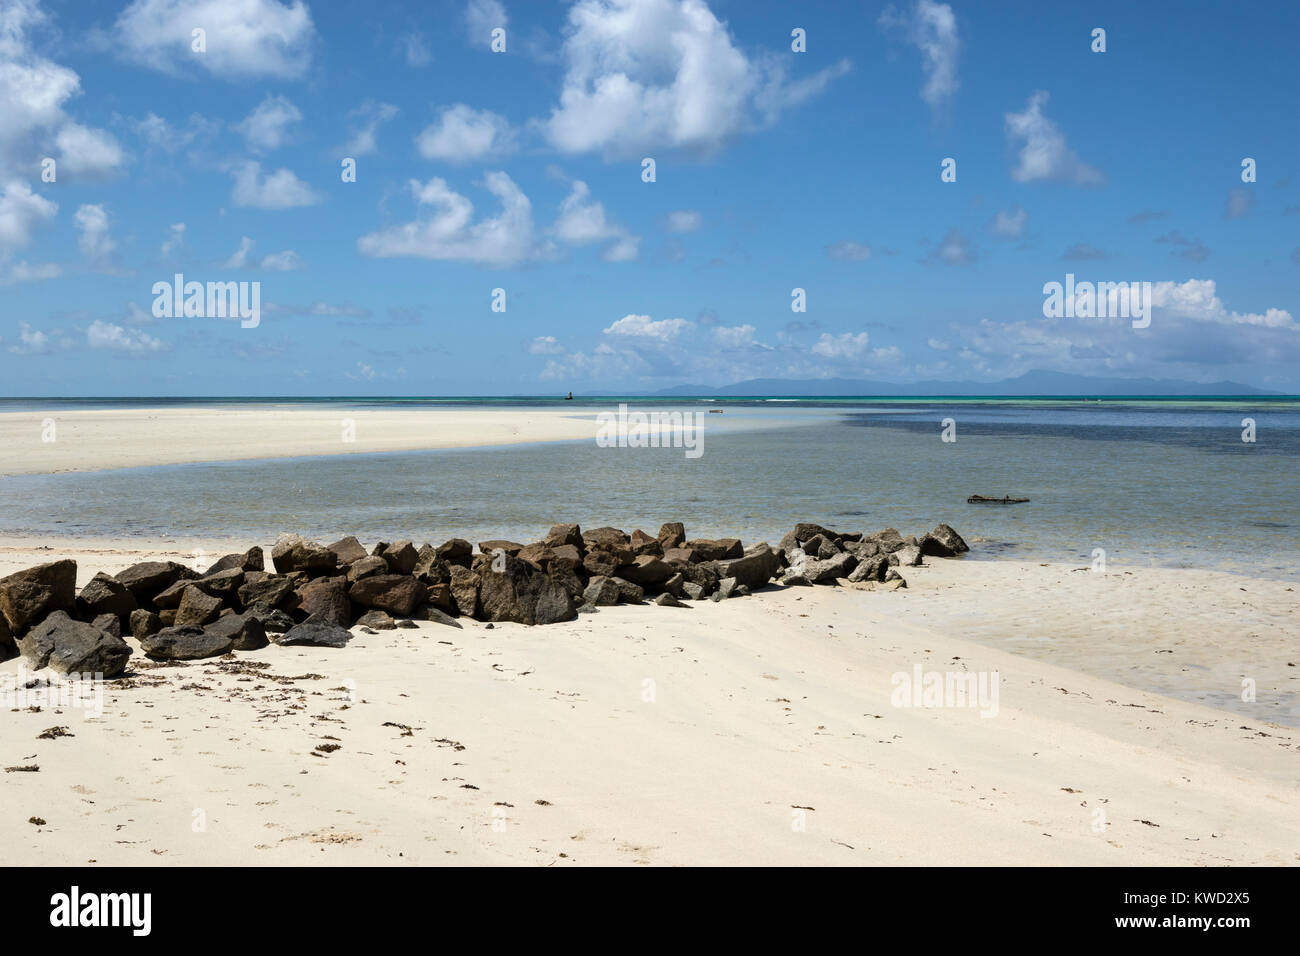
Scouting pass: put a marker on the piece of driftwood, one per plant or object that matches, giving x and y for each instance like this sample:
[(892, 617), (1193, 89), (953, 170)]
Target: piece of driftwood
[(981, 500)]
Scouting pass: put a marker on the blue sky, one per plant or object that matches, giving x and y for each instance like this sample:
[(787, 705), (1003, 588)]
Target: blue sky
[(522, 170)]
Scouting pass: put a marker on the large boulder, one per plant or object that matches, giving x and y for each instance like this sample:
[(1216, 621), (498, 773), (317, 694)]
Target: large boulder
[(539, 555), (250, 560), (401, 557), (74, 647), (326, 599), (347, 550), (196, 608), (144, 623), (672, 534), (943, 542), (806, 529), (456, 551), (643, 543), (314, 633), (514, 590), (398, 594), (271, 591), (366, 567), (271, 618), (464, 590), (105, 595), (718, 550), (561, 534), (888, 540), (647, 571), (602, 592), (871, 569), (500, 544), (245, 631), (27, 596), (147, 578), (187, 642), (607, 539), (222, 584), (296, 554), (754, 569)]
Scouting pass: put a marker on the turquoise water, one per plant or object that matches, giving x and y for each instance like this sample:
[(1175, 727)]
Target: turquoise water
[(1151, 482)]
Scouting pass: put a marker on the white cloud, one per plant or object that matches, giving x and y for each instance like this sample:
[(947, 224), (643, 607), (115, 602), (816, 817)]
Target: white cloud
[(106, 335), (30, 341), (684, 220), (33, 93), (175, 239), (932, 28), (278, 190), (245, 38), (954, 249), (286, 261), (1009, 223), (482, 17), (1198, 300), (1044, 154), (448, 232), (239, 259), (544, 345), (415, 47), (642, 74), (26, 272), (734, 337), (365, 122), (21, 212), (269, 125), (848, 345), (95, 242), (643, 326), (582, 220), (462, 134), (848, 251), (159, 134)]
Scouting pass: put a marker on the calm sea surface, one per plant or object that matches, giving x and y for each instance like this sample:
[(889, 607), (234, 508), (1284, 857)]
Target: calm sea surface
[(1166, 482)]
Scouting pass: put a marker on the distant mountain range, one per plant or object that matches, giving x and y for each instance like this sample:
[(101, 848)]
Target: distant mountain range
[(1036, 382)]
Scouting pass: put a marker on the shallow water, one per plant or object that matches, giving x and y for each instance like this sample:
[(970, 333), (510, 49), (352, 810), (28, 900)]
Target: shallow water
[(1163, 483)]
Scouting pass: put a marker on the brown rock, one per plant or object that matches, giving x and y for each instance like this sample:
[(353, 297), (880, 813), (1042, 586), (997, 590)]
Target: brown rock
[(395, 593), (27, 596), (196, 608), (672, 534), (326, 599)]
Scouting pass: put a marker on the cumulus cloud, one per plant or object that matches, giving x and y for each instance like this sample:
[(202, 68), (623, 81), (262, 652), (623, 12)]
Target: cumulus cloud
[(642, 74), (1043, 152), (30, 341), (94, 240), (932, 29), (21, 212), (34, 92), (954, 249), (278, 190), (845, 345), (583, 220), (115, 338), (684, 220), (482, 17), (364, 123), (245, 39), (462, 134), (645, 327), (270, 124), (446, 230), (286, 261), (1009, 223), (544, 345)]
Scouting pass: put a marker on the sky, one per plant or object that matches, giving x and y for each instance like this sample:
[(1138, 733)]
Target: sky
[(503, 233)]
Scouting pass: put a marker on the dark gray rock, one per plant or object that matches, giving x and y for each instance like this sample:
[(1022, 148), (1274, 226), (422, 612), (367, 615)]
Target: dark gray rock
[(456, 551), (147, 578), (667, 600), (327, 599), (514, 590), (719, 550), (647, 571), (196, 608), (27, 596), (271, 618), (430, 613), (601, 591), (245, 631), (366, 567), (109, 624), (348, 550), (379, 620), (250, 560), (144, 623), (943, 542), (272, 591), (757, 567), (104, 594), (222, 584), (186, 643), (395, 593), (74, 647), (296, 554), (314, 633)]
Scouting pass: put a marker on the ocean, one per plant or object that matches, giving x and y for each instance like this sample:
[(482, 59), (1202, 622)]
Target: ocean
[(1166, 482)]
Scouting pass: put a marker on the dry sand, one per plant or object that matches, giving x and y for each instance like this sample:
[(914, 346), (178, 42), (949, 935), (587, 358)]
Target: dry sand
[(767, 736)]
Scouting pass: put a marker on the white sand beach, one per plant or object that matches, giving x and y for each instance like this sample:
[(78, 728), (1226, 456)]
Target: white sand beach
[(754, 731)]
